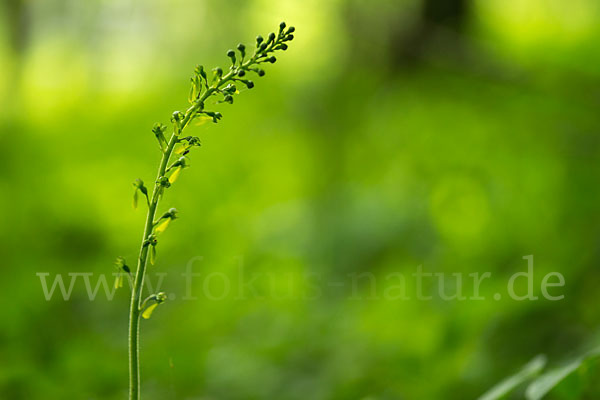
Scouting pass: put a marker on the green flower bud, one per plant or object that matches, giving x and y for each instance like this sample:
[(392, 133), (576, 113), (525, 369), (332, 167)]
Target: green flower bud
[(177, 116), (200, 71), (230, 89), (271, 37), (262, 47), (261, 72), (282, 26), (241, 73), (228, 99), (249, 84), (259, 40), (218, 72), (284, 46), (272, 59), (242, 49), (231, 54), (291, 29)]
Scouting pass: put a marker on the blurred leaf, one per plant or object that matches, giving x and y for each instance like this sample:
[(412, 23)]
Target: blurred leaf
[(531, 369), (541, 386), (546, 382)]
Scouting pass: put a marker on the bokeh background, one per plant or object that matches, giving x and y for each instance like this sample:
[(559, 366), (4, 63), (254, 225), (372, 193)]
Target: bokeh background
[(460, 135)]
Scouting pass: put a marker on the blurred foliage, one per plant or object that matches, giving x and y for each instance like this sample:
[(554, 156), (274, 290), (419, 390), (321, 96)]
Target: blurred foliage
[(459, 139)]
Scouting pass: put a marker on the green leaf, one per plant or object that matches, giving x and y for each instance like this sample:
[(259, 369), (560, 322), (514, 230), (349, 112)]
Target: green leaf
[(531, 369), (549, 380), (541, 386)]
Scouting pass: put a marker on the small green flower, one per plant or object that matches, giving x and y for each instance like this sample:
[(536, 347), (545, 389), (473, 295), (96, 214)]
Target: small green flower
[(164, 221), (122, 269), (139, 187), (156, 300)]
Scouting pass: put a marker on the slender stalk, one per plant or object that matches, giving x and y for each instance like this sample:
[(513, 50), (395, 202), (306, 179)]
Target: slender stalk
[(136, 294), (134, 310), (237, 71)]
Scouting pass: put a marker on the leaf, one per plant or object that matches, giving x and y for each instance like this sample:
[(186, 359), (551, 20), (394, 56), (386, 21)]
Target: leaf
[(549, 380), (531, 369), (542, 385), (162, 226), (148, 311)]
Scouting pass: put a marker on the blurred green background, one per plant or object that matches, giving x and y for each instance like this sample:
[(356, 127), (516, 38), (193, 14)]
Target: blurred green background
[(459, 135)]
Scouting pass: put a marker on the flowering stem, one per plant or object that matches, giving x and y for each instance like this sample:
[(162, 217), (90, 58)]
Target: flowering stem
[(136, 295), (135, 308), (237, 71)]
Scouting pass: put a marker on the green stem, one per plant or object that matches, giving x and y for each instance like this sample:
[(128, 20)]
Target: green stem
[(136, 294), (135, 309)]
